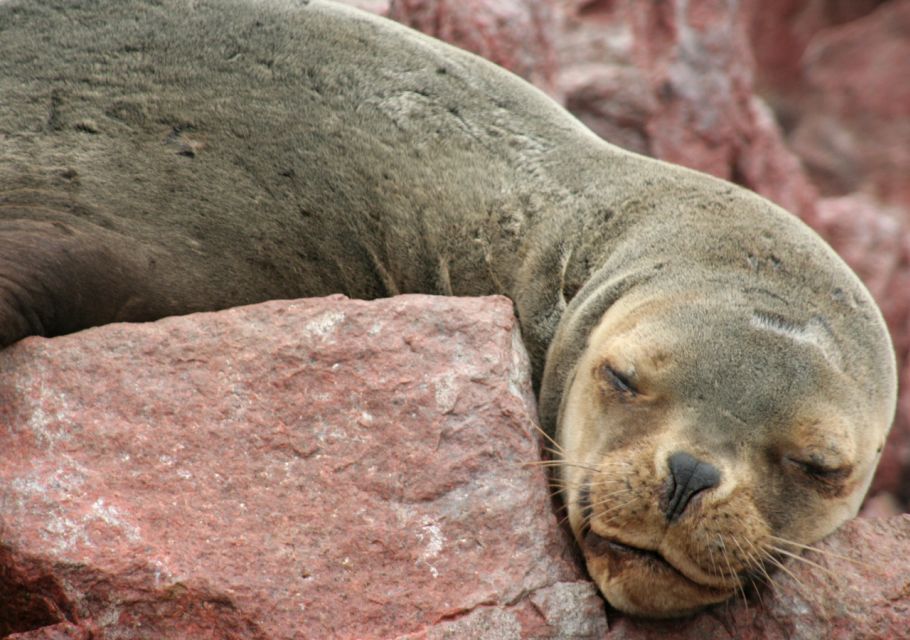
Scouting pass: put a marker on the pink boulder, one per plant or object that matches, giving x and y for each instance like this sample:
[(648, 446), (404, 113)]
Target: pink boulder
[(854, 130), (781, 30), (322, 468), (674, 80)]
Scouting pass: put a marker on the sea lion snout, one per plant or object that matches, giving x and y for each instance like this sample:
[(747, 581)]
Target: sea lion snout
[(688, 477)]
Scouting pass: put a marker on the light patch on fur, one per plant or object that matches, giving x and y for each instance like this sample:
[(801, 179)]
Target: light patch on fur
[(814, 333)]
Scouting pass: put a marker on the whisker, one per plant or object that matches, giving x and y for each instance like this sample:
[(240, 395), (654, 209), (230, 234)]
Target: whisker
[(760, 563), (799, 558), (558, 463), (607, 499), (554, 481), (565, 486), (717, 570), (588, 518), (751, 561), (824, 552), (733, 574), (780, 565), (551, 454), (548, 437)]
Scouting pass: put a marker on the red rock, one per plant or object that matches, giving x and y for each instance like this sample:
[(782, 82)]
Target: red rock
[(854, 130), (515, 34), (674, 80), (780, 31), (564, 610), (322, 468), (881, 505), (62, 631)]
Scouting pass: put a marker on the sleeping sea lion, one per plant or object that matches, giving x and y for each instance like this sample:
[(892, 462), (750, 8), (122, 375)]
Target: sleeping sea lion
[(719, 382)]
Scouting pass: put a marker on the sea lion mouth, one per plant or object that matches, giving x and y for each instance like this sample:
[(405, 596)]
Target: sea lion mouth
[(592, 540), (601, 546), (623, 557), (619, 553)]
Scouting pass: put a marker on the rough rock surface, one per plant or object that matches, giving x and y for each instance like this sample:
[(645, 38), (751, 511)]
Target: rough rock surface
[(62, 631), (323, 468), (852, 122), (674, 80), (780, 31)]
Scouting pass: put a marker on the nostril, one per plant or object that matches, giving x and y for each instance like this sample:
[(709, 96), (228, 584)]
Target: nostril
[(688, 477)]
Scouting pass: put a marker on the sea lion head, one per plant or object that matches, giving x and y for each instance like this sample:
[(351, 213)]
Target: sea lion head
[(707, 434)]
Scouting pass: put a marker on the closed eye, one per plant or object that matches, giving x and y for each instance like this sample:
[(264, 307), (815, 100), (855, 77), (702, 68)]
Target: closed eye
[(818, 470), (619, 380)]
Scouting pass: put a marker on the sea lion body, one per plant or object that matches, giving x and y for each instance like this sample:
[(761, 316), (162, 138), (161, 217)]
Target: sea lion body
[(170, 157)]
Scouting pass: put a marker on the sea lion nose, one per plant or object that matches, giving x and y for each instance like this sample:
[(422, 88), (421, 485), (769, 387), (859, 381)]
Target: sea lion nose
[(688, 477)]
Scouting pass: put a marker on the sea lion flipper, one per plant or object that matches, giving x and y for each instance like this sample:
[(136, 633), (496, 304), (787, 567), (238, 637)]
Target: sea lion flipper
[(60, 277)]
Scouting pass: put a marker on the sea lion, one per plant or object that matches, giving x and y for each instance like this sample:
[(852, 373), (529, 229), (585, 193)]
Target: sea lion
[(719, 383)]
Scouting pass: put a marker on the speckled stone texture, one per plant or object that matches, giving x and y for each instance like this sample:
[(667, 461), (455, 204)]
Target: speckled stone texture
[(316, 469)]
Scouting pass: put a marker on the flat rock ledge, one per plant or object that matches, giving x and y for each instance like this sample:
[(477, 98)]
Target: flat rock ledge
[(330, 468)]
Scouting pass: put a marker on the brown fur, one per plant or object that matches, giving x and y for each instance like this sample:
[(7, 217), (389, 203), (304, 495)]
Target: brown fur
[(164, 157)]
